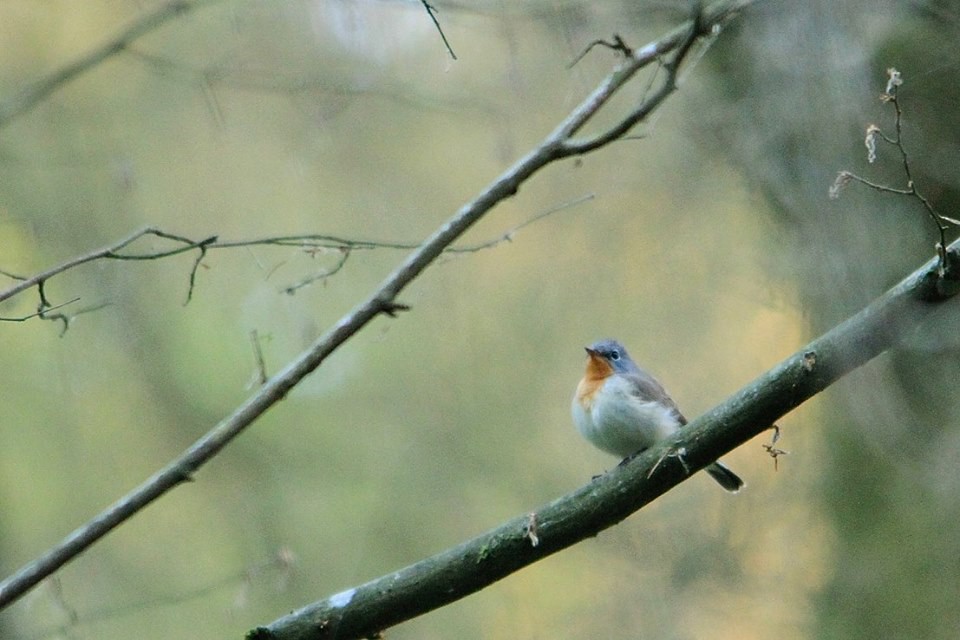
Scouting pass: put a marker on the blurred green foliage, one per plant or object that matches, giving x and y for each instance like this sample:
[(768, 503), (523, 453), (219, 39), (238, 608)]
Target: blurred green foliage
[(890, 480)]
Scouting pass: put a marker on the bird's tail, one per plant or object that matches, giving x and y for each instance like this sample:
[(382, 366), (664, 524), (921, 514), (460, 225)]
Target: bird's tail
[(724, 477)]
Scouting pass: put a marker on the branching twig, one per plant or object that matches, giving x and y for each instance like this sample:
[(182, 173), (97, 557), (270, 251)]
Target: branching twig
[(109, 252), (321, 275), (617, 44), (508, 235), (772, 449), (680, 43), (874, 133), (67, 320), (38, 314), (431, 11), (557, 144), (311, 243)]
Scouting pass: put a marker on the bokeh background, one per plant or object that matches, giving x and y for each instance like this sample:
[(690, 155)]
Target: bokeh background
[(708, 246)]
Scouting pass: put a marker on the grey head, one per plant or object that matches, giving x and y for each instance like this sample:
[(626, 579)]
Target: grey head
[(615, 354), (646, 386)]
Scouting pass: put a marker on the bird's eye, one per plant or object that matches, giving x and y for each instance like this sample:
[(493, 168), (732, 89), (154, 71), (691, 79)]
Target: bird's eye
[(614, 355)]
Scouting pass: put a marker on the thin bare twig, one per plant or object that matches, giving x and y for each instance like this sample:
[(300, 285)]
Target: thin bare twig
[(39, 313), (431, 11), (31, 96), (109, 252), (66, 320), (617, 44), (311, 243), (874, 133), (383, 300), (772, 450), (508, 235), (45, 308), (262, 376), (681, 43)]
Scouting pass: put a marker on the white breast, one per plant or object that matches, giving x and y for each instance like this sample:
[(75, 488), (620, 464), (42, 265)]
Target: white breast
[(621, 423)]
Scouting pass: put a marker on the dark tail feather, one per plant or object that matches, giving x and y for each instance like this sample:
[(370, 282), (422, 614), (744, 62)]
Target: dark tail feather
[(724, 477)]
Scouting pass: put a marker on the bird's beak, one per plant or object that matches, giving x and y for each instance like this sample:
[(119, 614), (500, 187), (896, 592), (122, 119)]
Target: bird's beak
[(597, 366)]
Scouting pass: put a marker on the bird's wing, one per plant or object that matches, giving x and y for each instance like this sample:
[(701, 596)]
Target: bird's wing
[(648, 389)]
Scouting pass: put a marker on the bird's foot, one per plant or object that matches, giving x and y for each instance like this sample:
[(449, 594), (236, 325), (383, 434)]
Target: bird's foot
[(630, 457)]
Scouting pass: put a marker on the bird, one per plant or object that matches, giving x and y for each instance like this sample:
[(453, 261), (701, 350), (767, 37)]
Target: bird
[(621, 409)]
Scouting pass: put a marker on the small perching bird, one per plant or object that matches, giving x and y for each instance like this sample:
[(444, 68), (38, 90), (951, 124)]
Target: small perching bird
[(623, 410)]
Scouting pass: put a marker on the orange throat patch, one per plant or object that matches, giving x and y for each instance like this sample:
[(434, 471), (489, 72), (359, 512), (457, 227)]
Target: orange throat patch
[(598, 370)]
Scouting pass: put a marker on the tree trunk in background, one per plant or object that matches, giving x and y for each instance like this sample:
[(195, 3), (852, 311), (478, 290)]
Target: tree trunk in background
[(891, 482)]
